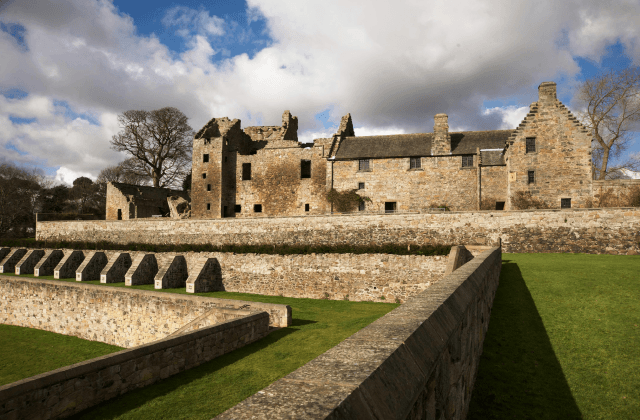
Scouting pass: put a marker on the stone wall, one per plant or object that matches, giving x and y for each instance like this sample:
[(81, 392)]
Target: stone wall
[(66, 391), (125, 201), (417, 362), (561, 161), (118, 316), (440, 180), (573, 230), (494, 186), (615, 192)]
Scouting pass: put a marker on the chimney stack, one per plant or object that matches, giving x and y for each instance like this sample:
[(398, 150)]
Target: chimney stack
[(441, 139), (547, 92)]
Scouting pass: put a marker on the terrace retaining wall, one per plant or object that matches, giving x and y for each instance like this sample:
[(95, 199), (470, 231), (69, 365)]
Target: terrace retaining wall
[(611, 230), (119, 316), (66, 391), (417, 362)]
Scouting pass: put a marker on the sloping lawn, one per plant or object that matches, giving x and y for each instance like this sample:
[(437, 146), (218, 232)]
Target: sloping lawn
[(26, 352), (563, 340), (209, 389)]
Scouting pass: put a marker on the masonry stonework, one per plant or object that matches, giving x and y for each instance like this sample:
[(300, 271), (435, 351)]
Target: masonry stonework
[(596, 231)]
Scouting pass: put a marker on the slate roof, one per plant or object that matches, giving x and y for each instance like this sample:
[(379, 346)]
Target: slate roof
[(406, 145)]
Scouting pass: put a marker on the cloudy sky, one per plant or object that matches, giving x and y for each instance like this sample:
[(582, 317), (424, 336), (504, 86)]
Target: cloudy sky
[(68, 68)]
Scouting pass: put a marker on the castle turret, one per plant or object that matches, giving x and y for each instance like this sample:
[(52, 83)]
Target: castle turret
[(441, 138)]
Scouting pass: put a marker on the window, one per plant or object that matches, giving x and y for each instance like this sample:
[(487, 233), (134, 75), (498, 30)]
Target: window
[(237, 208), (390, 207), (204, 176), (364, 165), (305, 169), (565, 203), (208, 187), (246, 171), (208, 206), (225, 158), (306, 207), (205, 158), (415, 163), (531, 144), (467, 161), (499, 205), (257, 208), (531, 177), (361, 206), (119, 214), (361, 185)]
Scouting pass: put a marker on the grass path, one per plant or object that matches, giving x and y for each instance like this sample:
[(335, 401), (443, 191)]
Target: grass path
[(26, 352), (563, 340)]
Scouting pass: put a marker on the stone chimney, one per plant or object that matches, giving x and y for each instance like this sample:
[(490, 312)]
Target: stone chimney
[(547, 92), (441, 140)]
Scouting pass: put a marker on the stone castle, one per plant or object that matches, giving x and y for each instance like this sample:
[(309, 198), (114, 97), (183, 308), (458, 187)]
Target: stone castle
[(265, 171)]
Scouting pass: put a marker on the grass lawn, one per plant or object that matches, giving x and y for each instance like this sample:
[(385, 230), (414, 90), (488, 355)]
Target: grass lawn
[(209, 389), (26, 352), (563, 340)]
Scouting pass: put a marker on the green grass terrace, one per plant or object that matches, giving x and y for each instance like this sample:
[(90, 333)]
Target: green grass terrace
[(563, 343)]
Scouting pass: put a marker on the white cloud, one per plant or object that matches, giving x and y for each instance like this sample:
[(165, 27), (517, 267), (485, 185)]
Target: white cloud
[(511, 116), (391, 65), (67, 176)]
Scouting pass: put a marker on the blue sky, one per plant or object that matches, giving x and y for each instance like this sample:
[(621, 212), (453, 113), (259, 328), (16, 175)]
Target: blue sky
[(70, 67)]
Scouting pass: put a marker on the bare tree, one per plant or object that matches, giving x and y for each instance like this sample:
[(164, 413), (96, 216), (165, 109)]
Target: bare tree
[(160, 143), (612, 111), (125, 172)]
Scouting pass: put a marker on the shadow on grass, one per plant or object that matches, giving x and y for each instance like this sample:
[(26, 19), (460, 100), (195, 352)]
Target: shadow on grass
[(131, 400), (519, 376)]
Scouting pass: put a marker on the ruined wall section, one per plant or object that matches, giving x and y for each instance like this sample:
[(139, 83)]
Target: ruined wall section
[(276, 183), (561, 161), (136, 202), (440, 180)]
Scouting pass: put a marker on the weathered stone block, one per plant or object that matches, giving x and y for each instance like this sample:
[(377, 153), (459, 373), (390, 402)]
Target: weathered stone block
[(116, 268), (68, 265), (93, 264), (8, 264), (48, 263), (205, 276), (172, 272), (29, 261)]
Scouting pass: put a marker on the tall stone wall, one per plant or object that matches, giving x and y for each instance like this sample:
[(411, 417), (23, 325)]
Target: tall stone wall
[(494, 186), (276, 183), (440, 180), (419, 361), (574, 230), (118, 316)]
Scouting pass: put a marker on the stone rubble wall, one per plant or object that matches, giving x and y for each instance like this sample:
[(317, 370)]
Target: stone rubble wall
[(66, 391), (417, 362), (596, 231), (117, 316)]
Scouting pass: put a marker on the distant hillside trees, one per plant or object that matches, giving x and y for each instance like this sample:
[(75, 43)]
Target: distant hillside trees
[(159, 142), (20, 196)]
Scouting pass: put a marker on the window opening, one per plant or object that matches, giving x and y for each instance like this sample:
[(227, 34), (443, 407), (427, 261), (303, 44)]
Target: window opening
[(246, 171), (119, 214), (415, 163), (531, 144), (257, 208), (499, 205), (306, 207), (467, 161), (237, 208), (361, 206), (208, 206), (205, 158), (390, 207), (305, 169), (361, 185), (208, 187), (224, 211), (364, 165), (531, 177), (204, 176), (225, 158), (565, 203)]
